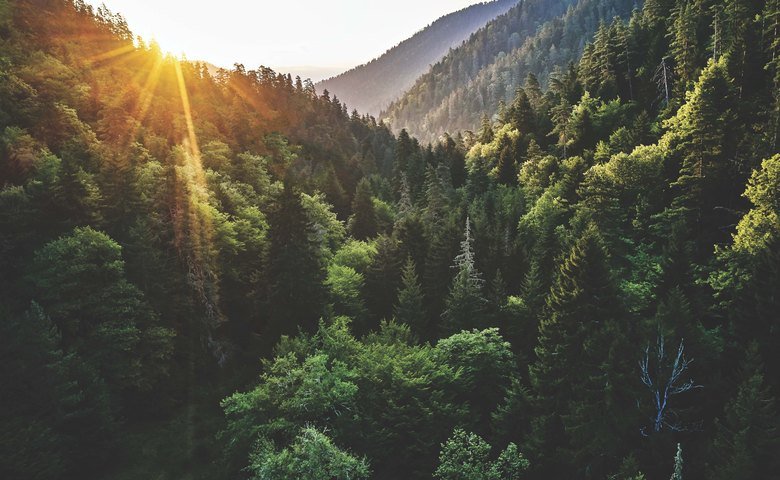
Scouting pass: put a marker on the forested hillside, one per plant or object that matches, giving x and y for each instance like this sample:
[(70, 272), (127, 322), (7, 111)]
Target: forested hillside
[(232, 278), (536, 37), (372, 86)]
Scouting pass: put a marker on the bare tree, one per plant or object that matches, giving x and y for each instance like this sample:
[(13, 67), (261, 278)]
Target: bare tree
[(665, 379)]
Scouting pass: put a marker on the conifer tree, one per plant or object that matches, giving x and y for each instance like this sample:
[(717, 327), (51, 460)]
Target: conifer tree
[(678, 464), (295, 269), (486, 130), (684, 45), (507, 169), (410, 308), (582, 346), (362, 224), (521, 113), (704, 129), (747, 436), (465, 306), (383, 279)]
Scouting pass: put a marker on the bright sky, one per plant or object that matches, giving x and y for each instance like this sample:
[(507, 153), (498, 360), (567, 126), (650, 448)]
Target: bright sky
[(313, 38)]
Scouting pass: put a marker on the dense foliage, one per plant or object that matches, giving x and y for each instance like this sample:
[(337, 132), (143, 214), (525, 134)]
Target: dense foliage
[(482, 75), (585, 288)]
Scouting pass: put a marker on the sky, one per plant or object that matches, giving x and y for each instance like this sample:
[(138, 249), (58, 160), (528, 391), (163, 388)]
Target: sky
[(311, 38)]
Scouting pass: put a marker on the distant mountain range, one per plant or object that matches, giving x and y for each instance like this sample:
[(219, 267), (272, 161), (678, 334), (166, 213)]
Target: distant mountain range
[(536, 36), (373, 86)]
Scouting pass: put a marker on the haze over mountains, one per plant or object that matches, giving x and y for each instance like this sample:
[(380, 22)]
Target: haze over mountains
[(371, 87), (211, 274), (536, 36)]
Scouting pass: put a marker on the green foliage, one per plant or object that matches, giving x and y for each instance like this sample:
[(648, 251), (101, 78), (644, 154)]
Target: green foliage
[(311, 456), (761, 225), (747, 436), (465, 306), (55, 413), (410, 308), (466, 456), (80, 280), (363, 223), (594, 196)]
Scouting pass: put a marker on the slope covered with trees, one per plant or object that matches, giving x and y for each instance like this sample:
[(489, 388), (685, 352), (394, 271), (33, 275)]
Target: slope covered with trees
[(584, 288), (371, 87), (535, 37)]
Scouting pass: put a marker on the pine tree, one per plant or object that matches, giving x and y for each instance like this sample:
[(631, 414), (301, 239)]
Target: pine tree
[(521, 113), (295, 269), (683, 46), (383, 280), (704, 129), (486, 134), (437, 277), (582, 347), (410, 308), (747, 436), (465, 306), (678, 464), (507, 167), (362, 224), (404, 149)]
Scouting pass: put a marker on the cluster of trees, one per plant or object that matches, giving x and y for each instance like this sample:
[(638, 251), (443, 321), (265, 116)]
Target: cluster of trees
[(373, 86), (536, 36), (522, 302)]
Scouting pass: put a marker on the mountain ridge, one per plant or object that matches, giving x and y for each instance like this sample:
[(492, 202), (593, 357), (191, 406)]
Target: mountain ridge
[(371, 87), (536, 36)]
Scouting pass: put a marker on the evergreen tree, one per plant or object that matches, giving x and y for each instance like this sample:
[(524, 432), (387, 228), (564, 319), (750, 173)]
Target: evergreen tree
[(486, 134), (55, 417), (704, 133), (295, 269), (410, 308), (684, 46), (80, 280), (465, 305), (747, 437), (678, 464), (362, 224), (582, 346), (507, 169), (383, 279)]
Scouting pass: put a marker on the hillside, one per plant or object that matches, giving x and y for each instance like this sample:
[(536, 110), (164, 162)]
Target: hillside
[(371, 87), (536, 36), (229, 277)]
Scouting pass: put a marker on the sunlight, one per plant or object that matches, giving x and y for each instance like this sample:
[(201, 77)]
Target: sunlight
[(148, 89), (111, 54), (198, 222), (185, 101)]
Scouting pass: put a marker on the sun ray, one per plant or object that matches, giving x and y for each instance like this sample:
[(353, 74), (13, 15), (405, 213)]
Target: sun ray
[(185, 101), (148, 89), (200, 230), (111, 54)]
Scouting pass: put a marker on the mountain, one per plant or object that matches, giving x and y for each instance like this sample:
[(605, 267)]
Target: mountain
[(231, 277), (371, 87), (536, 36)]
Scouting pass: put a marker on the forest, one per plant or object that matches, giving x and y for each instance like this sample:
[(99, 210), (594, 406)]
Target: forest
[(234, 276), (372, 86)]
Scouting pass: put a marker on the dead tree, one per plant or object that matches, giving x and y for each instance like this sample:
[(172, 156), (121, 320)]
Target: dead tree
[(665, 379)]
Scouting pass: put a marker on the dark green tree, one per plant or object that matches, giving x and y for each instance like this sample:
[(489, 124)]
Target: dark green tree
[(80, 280), (582, 347), (466, 305), (295, 269), (410, 309), (362, 224), (747, 436)]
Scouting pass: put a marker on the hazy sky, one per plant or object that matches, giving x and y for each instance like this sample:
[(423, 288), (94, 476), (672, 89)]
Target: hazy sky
[(310, 37)]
